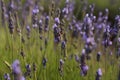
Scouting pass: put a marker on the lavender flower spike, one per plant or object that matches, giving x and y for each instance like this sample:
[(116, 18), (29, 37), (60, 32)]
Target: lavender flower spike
[(98, 74), (7, 76), (17, 70)]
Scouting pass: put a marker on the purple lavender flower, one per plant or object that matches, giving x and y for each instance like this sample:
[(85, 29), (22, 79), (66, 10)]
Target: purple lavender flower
[(46, 23), (28, 28), (63, 45), (57, 20), (7, 76), (28, 70), (56, 33), (84, 69), (44, 61), (61, 63), (28, 31), (65, 11), (11, 6), (98, 56), (63, 48), (98, 74), (40, 23), (77, 58), (83, 57), (16, 67), (17, 70), (35, 10)]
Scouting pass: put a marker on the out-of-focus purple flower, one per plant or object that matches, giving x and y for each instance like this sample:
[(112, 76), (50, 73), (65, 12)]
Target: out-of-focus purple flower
[(11, 6), (47, 18), (119, 39), (28, 70), (65, 11), (83, 52), (63, 44), (16, 67), (35, 10), (83, 57), (56, 31), (106, 10), (98, 74), (28, 28), (77, 58), (40, 23), (54, 26), (87, 19), (61, 62), (98, 56), (67, 1), (7, 76), (28, 67), (92, 7), (88, 49), (17, 70), (57, 20), (35, 25), (28, 31), (84, 69), (44, 61), (63, 48)]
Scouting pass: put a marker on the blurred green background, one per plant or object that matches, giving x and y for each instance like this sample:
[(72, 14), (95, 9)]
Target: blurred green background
[(100, 5)]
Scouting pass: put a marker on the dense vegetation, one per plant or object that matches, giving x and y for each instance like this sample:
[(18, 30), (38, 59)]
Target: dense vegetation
[(59, 40)]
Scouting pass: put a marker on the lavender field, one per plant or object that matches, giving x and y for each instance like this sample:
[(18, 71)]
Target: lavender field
[(59, 40)]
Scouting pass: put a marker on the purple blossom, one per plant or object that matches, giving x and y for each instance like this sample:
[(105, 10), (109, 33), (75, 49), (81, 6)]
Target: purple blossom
[(28, 28), (77, 59), (84, 69), (47, 18), (44, 61), (63, 44), (17, 70), (99, 74), (16, 67), (35, 10), (61, 62), (7, 76), (57, 20), (28, 70), (98, 56)]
